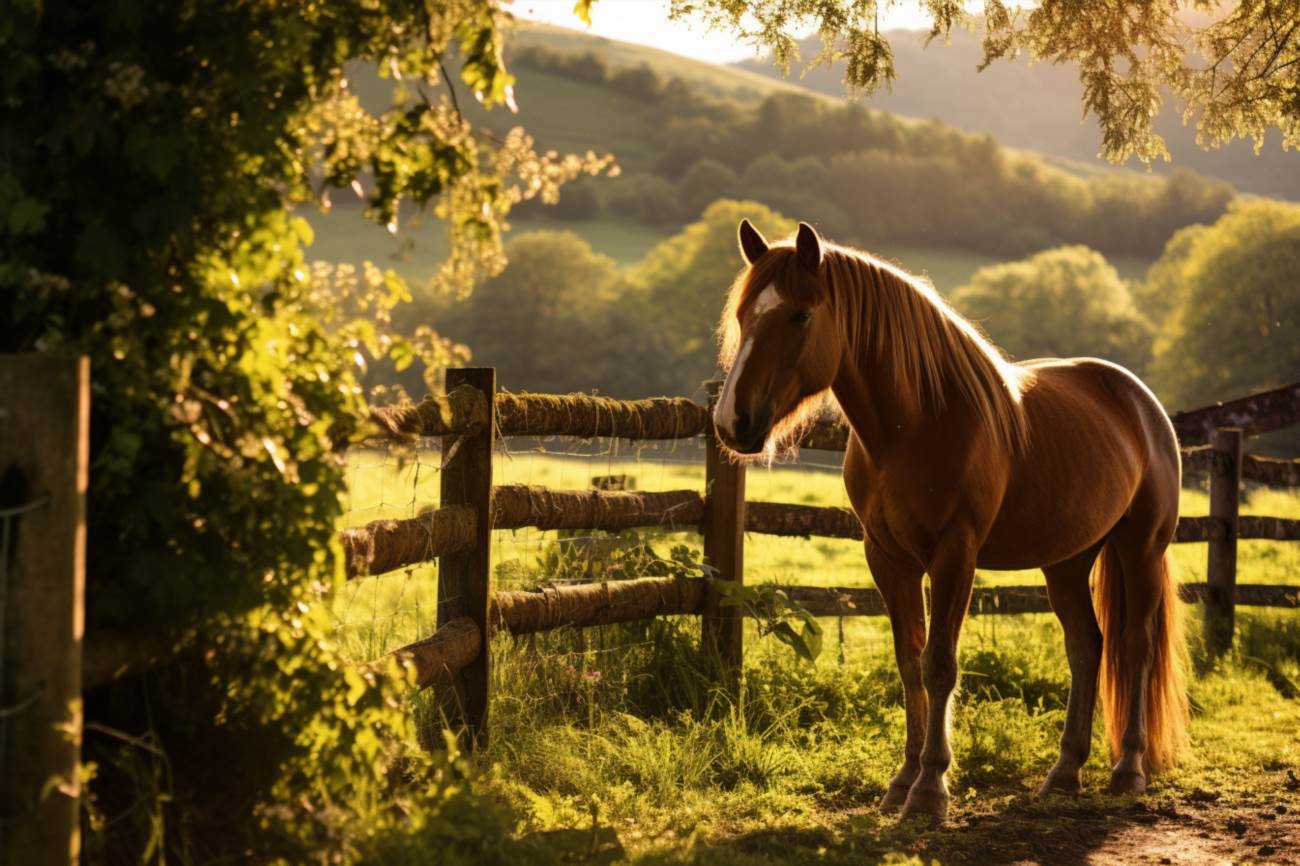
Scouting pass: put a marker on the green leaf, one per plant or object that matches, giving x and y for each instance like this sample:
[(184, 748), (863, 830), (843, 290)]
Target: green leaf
[(403, 355), (356, 686), (812, 639), (27, 217)]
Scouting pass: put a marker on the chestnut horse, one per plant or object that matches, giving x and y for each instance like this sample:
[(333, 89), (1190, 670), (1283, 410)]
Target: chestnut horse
[(959, 459)]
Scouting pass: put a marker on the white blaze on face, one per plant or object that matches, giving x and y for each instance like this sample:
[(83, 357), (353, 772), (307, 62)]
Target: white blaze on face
[(724, 413), (767, 300)]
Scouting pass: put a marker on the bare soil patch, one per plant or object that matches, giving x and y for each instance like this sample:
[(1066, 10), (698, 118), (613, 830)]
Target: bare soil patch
[(1197, 829)]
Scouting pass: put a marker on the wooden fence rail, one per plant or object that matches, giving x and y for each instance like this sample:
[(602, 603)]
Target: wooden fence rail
[(609, 602), (388, 545)]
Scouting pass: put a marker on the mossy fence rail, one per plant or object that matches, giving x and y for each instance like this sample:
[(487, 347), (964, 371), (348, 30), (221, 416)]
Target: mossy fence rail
[(472, 414)]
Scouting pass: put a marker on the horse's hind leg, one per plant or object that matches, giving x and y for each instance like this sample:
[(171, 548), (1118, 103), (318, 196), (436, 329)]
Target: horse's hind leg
[(1067, 588), (900, 587)]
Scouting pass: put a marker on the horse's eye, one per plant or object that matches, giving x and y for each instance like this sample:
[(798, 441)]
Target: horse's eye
[(802, 317)]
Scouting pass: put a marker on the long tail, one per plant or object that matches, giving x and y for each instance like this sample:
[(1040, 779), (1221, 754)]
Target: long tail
[(1166, 694)]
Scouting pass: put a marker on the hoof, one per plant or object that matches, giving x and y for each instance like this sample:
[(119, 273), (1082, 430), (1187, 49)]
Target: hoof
[(1127, 782), (895, 797), (928, 803), (1060, 782)]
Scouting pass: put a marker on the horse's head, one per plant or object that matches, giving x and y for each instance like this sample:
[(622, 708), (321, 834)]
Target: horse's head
[(780, 339)]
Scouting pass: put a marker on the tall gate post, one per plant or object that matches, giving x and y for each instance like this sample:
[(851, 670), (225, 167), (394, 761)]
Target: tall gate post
[(44, 468), (1221, 566), (465, 578), (724, 549)]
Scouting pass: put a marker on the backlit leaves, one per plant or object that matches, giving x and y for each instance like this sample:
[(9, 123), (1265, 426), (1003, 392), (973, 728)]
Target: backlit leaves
[(1234, 68)]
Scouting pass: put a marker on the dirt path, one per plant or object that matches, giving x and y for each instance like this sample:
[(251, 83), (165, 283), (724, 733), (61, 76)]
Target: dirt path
[(1259, 824), (1199, 830)]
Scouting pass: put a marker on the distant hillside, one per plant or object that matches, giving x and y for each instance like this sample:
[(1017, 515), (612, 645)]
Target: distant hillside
[(1037, 107), (713, 78), (688, 133)]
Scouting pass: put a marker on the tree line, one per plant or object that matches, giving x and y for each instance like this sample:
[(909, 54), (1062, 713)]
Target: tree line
[(1217, 314), (866, 176)]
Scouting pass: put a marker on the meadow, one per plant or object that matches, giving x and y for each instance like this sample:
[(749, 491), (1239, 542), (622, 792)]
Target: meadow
[(619, 730)]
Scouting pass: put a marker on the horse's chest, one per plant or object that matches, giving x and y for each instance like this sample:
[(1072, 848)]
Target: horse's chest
[(907, 516)]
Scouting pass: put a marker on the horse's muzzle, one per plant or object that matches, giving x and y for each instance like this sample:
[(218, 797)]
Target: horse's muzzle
[(748, 433)]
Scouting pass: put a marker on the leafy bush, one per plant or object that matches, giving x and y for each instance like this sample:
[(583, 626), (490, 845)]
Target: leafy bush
[(1066, 302), (1234, 326)]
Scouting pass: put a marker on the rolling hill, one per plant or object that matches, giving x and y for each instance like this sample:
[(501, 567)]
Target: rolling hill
[(1038, 108), (566, 111)]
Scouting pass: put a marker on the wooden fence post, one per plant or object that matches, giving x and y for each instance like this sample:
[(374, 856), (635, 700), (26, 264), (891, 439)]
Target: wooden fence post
[(1221, 567), (465, 578), (44, 465), (724, 549)]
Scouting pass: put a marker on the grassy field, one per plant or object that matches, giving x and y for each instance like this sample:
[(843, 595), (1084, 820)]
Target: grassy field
[(620, 726)]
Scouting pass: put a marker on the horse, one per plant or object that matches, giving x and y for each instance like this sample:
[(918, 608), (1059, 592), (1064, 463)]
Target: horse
[(958, 459)]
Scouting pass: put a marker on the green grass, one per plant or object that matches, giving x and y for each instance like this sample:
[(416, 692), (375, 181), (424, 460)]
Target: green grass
[(623, 724)]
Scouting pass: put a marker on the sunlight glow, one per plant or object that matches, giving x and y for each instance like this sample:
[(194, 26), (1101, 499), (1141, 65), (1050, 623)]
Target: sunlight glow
[(645, 22)]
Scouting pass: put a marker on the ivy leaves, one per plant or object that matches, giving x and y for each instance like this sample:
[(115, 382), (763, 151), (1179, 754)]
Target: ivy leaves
[(776, 614)]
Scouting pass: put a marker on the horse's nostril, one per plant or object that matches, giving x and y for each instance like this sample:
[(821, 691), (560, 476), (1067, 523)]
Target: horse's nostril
[(741, 427)]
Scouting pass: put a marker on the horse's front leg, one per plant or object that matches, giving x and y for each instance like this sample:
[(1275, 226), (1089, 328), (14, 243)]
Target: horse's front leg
[(900, 587), (952, 572)]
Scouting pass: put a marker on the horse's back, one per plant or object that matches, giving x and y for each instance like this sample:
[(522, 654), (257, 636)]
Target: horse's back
[(1099, 442), (1106, 398)]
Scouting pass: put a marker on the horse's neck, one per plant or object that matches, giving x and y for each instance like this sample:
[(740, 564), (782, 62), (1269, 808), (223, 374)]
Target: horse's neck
[(884, 418), (878, 414), (887, 420)]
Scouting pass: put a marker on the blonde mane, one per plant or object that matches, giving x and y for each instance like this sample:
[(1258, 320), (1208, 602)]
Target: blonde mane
[(889, 316)]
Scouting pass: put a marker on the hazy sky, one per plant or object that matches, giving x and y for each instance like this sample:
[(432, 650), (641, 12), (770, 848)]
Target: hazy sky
[(646, 22)]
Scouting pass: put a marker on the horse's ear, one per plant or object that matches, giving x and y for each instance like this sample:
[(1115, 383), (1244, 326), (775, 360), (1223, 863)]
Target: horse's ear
[(752, 242), (808, 246)]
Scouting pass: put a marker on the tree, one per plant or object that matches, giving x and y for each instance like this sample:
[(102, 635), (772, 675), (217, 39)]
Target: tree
[(675, 296), (645, 198), (1234, 66), (706, 181), (1063, 302), (1168, 277), (149, 158), (539, 321), (1235, 326)]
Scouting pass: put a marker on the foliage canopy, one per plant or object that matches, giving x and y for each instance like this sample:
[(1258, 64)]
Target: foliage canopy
[(1234, 67)]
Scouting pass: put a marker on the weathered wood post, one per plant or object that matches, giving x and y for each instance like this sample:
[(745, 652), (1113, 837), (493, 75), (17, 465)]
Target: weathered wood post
[(724, 549), (1221, 566), (44, 465), (465, 578)]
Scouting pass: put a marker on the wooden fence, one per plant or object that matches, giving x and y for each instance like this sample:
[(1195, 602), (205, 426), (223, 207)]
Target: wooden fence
[(471, 415), (44, 464)]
